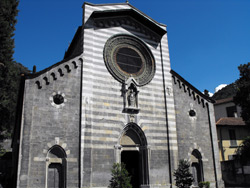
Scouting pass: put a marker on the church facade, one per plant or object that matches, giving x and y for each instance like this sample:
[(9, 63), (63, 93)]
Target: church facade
[(113, 98)]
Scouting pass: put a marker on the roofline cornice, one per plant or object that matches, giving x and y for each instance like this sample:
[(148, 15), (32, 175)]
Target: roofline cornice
[(34, 75), (136, 9), (223, 101), (209, 99), (133, 14)]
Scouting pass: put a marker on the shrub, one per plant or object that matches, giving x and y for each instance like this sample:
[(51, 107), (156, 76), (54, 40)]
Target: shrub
[(205, 184), (120, 177), (182, 175)]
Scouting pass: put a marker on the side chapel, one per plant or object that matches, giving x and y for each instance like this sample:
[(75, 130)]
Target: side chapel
[(113, 98)]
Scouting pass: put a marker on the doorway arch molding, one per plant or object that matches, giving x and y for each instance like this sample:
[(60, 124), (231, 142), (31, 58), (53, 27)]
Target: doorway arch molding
[(137, 130), (198, 148)]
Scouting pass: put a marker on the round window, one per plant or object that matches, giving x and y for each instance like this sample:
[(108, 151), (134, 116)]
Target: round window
[(58, 99), (192, 113), (128, 60), (126, 56)]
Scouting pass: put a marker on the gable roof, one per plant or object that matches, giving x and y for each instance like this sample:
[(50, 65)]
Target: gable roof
[(232, 121), (126, 9), (76, 47), (226, 100)]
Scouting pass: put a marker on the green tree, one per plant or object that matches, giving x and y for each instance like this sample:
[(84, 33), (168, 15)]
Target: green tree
[(9, 70), (8, 13), (242, 97), (227, 92), (243, 150), (183, 177), (120, 177)]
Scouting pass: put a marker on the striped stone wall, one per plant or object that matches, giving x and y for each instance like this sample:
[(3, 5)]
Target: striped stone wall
[(102, 104)]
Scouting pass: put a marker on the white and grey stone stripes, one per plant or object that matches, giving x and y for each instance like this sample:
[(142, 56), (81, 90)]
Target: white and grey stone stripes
[(102, 103), (94, 114)]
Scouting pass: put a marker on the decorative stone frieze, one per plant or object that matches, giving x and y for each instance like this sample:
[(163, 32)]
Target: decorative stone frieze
[(60, 72), (199, 97), (128, 21)]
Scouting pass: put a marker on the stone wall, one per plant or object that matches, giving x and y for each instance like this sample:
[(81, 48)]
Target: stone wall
[(46, 124), (196, 129)]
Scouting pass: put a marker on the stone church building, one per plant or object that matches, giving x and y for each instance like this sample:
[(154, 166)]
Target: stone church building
[(113, 98)]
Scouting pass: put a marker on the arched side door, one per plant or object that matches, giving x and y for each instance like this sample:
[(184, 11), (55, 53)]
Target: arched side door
[(197, 167), (56, 167)]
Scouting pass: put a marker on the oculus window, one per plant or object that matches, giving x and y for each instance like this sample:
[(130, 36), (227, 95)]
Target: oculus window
[(127, 56), (128, 60), (58, 99)]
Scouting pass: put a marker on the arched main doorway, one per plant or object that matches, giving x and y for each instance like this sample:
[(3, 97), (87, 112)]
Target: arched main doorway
[(197, 167), (134, 154)]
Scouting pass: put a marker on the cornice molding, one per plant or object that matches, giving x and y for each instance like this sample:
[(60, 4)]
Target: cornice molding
[(190, 90)]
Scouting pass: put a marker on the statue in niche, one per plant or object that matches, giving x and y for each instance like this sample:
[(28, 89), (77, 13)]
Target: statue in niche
[(131, 98)]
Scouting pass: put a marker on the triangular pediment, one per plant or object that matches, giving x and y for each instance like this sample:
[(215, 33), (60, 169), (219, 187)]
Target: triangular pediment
[(131, 17)]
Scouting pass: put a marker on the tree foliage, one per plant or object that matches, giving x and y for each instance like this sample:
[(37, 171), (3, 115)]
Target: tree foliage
[(9, 70), (242, 97), (226, 92), (243, 150), (120, 177), (183, 177), (8, 13)]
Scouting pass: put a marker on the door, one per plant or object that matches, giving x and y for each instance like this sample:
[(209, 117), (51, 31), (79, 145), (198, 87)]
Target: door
[(132, 161), (55, 176)]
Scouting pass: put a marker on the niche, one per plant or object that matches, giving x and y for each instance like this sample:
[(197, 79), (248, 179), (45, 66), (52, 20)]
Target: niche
[(130, 97)]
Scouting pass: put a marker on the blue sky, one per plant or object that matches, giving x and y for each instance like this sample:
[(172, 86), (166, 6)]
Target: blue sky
[(208, 39)]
